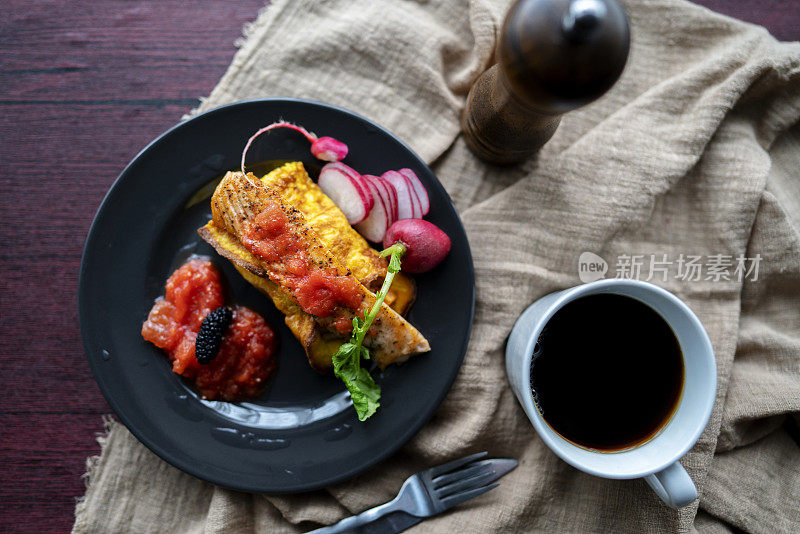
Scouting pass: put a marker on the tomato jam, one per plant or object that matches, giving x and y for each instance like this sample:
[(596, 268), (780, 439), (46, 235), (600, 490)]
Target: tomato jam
[(245, 360), (319, 290)]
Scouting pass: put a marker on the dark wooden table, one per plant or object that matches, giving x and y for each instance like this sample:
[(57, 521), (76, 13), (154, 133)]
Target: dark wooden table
[(85, 85)]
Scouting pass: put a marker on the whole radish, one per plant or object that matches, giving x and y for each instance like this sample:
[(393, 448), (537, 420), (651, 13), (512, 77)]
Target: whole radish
[(324, 148), (425, 243)]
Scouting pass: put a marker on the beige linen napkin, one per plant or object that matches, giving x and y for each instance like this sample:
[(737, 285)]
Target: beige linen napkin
[(692, 153)]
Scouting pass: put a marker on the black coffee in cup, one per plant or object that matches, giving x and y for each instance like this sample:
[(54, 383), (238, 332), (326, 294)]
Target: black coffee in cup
[(607, 372)]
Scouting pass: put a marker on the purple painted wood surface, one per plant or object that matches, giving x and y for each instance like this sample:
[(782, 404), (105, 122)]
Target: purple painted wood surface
[(84, 85)]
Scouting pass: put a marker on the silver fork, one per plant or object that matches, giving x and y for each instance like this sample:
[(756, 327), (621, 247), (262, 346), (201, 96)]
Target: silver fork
[(434, 490)]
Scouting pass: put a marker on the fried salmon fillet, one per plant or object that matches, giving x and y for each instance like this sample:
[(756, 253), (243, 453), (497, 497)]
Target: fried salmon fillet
[(236, 205)]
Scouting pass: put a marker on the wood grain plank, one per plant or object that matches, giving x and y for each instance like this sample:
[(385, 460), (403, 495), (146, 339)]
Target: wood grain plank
[(85, 86), (44, 456), (117, 50), (780, 17)]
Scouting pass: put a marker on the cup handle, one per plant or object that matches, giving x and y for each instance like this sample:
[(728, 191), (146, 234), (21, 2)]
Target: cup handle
[(673, 485)]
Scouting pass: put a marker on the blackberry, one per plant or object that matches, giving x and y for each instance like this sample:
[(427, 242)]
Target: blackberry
[(209, 338)]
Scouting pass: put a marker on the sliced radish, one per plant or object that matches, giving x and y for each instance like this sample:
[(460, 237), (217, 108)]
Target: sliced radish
[(422, 195), (363, 189), (405, 194), (377, 222), (384, 194), (366, 194), (345, 191), (392, 197), (415, 202), (416, 205), (342, 167)]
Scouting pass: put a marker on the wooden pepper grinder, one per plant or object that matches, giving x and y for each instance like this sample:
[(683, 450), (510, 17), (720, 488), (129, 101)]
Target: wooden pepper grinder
[(553, 56)]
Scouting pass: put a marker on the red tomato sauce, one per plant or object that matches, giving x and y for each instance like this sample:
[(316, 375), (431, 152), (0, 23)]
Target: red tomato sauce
[(245, 360), (319, 291)]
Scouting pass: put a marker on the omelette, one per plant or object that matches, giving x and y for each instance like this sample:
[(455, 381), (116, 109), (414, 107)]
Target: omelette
[(292, 183), (313, 246)]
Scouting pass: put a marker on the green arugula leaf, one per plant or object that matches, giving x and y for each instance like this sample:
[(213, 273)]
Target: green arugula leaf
[(364, 392)]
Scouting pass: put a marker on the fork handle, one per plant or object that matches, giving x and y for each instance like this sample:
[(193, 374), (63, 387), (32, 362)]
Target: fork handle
[(368, 516)]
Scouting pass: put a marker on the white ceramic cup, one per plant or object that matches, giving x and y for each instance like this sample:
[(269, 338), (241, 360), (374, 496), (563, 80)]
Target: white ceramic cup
[(655, 460)]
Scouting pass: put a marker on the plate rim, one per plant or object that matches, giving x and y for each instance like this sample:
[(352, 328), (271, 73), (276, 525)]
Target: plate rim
[(183, 463)]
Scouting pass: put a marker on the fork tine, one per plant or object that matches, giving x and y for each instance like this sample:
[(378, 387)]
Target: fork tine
[(460, 474), (464, 485), (458, 498), (449, 466)]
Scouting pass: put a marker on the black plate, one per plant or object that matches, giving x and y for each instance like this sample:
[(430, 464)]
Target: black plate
[(302, 433)]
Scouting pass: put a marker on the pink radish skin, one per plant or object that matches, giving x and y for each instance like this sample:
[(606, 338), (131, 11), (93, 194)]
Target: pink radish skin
[(385, 197), (345, 192), (390, 199), (392, 192), (373, 228), (422, 194), (416, 206), (328, 149), (405, 195), (363, 188), (369, 197), (426, 244)]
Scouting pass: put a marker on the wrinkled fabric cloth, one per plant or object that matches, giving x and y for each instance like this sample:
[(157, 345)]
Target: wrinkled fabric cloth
[(694, 152)]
